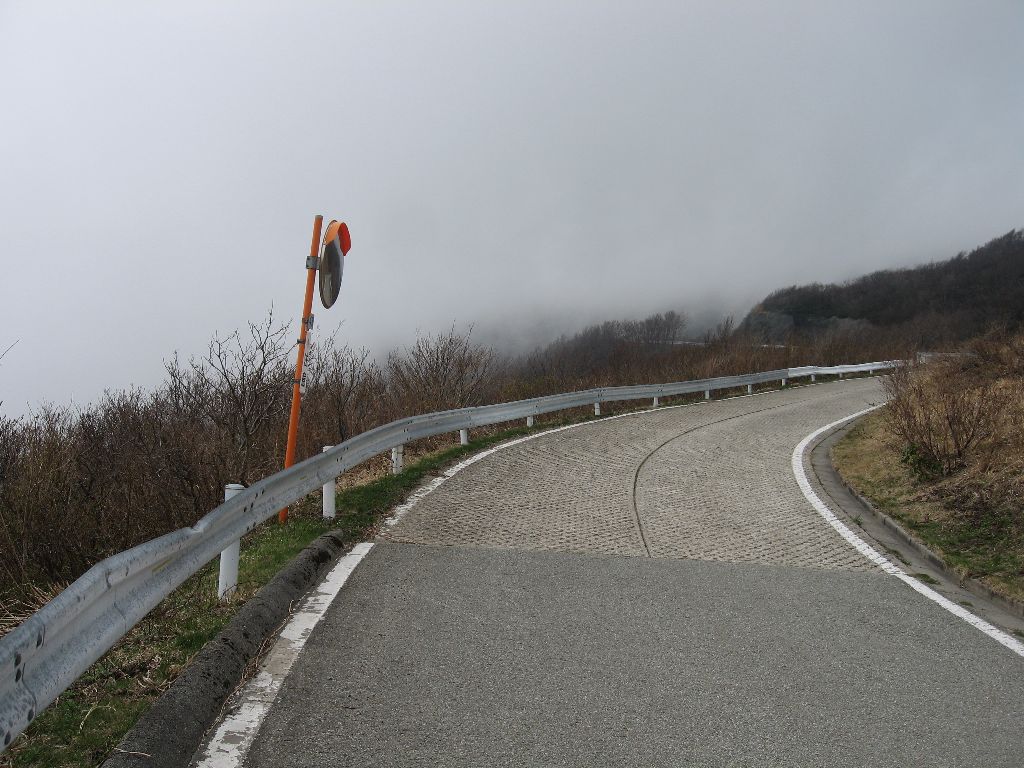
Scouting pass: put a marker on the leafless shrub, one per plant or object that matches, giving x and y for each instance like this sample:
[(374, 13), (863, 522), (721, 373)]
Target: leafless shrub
[(946, 414), (242, 388), (440, 372), (345, 395), (79, 484)]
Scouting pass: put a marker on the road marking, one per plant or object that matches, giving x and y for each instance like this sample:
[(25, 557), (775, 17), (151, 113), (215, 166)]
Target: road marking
[(874, 556), (234, 736), (237, 731)]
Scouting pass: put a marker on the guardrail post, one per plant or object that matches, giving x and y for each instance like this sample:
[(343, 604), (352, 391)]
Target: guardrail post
[(840, 374), (750, 389), (227, 579), (464, 436), (396, 459), (330, 491), (812, 378), (783, 382), (707, 394), (657, 402), (529, 421), (597, 408)]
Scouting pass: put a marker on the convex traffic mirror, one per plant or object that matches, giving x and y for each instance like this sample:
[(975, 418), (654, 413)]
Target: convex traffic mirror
[(337, 243)]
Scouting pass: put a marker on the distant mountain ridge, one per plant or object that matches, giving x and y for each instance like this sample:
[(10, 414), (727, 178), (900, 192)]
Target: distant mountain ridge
[(945, 300)]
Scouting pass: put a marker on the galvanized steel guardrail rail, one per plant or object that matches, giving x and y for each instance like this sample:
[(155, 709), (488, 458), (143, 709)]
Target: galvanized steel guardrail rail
[(43, 656)]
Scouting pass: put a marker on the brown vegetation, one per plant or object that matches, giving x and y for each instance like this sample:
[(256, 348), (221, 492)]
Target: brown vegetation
[(946, 456), (946, 459), (961, 417), (77, 485)]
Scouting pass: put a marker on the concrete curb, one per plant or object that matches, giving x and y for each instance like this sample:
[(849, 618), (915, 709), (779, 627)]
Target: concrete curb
[(972, 585), (169, 732)]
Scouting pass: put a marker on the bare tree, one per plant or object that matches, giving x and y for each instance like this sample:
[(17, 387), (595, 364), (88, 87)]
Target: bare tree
[(440, 372), (241, 386)]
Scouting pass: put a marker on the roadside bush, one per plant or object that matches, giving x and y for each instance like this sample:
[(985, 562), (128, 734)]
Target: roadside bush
[(440, 372), (78, 484), (949, 414)]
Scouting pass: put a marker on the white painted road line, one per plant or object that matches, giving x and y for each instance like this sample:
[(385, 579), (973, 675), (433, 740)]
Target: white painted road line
[(873, 555), (234, 736)]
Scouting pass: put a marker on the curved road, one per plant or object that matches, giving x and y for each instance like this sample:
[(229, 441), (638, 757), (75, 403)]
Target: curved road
[(648, 590)]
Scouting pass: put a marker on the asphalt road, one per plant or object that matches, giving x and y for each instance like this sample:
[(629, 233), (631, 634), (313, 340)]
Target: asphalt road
[(651, 590)]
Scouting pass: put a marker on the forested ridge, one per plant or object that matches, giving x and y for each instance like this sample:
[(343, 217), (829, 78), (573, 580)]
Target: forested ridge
[(955, 299)]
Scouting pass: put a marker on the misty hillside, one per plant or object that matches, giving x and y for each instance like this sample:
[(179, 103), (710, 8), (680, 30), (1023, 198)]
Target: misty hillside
[(942, 301)]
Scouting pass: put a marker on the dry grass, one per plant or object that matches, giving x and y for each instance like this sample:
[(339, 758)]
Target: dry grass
[(989, 546), (19, 608)]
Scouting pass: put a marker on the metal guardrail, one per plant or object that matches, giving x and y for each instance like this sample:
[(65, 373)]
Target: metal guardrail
[(43, 656)]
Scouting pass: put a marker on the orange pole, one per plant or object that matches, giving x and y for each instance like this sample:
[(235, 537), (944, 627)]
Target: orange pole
[(307, 309)]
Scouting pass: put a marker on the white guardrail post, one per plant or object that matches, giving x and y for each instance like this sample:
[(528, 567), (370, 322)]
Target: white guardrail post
[(227, 579), (330, 492), (656, 403), (51, 649), (463, 437)]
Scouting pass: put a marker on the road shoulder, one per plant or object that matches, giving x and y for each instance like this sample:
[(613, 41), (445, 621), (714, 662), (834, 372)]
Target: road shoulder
[(891, 539)]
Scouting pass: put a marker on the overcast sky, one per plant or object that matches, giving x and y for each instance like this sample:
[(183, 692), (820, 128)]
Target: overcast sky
[(521, 166)]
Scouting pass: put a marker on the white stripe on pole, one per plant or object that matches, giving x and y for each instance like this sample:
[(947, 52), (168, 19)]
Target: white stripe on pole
[(227, 579), (329, 490)]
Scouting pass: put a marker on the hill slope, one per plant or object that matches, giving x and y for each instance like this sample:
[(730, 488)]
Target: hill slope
[(949, 300)]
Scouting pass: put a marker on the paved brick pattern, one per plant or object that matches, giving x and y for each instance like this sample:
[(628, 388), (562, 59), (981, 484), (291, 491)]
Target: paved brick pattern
[(727, 493), (708, 482)]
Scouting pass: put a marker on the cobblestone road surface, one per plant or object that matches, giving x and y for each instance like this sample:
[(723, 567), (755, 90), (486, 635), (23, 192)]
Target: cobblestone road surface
[(651, 590), (707, 482)]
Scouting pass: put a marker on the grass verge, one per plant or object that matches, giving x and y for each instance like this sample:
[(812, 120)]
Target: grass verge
[(989, 548)]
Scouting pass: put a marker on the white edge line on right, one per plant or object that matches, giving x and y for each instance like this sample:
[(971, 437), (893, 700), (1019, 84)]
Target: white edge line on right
[(873, 555)]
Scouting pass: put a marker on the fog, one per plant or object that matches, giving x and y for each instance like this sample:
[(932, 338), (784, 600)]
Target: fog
[(526, 167)]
